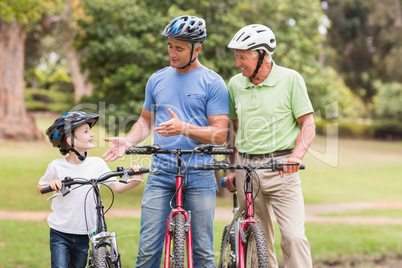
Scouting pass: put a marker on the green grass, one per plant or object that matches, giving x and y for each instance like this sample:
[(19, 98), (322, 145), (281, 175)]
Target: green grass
[(354, 171), (366, 171), (25, 243)]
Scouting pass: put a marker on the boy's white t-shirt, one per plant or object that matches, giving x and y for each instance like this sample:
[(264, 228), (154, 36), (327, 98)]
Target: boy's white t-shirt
[(68, 214)]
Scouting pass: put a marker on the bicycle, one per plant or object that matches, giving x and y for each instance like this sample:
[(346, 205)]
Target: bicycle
[(104, 251), (244, 228), (178, 227)]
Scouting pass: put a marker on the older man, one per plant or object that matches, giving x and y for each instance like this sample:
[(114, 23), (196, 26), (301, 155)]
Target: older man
[(271, 117)]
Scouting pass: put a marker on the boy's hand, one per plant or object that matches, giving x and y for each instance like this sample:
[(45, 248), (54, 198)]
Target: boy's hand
[(55, 185), (137, 168)]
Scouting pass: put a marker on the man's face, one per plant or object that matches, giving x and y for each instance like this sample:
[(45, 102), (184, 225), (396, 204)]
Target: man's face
[(179, 53), (246, 62)]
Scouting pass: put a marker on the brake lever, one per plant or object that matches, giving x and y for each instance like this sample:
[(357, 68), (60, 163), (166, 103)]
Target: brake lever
[(54, 196), (125, 178)]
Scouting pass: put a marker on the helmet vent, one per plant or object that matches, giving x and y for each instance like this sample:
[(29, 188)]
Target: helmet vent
[(239, 37), (261, 31), (247, 37)]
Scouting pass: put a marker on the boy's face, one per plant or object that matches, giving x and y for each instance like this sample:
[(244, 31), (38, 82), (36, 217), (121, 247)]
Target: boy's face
[(83, 137)]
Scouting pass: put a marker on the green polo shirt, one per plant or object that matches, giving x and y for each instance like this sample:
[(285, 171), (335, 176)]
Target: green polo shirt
[(267, 112)]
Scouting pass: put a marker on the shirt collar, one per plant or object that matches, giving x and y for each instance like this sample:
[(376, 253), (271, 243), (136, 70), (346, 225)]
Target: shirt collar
[(270, 81)]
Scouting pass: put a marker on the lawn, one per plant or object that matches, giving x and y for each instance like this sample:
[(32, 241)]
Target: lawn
[(338, 171)]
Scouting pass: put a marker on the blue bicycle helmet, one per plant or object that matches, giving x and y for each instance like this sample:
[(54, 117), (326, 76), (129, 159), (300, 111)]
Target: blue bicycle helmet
[(186, 28)]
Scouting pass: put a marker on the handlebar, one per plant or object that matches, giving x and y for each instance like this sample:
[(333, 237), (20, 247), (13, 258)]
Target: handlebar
[(120, 171), (271, 164), (202, 149)]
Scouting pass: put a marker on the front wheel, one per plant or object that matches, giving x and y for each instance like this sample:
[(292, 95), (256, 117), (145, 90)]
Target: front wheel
[(256, 248), (102, 258), (228, 249), (179, 238)]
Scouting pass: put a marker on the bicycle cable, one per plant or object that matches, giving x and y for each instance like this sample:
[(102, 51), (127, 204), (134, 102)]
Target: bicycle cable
[(258, 189)]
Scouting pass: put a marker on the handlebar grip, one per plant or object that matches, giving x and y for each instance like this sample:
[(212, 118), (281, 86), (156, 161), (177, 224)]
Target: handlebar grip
[(222, 151), (46, 190), (141, 171), (137, 151), (206, 167)]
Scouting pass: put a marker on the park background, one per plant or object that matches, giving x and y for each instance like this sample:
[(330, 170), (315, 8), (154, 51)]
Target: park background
[(96, 56)]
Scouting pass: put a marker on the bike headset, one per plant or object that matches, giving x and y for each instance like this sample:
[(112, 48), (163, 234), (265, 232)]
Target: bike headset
[(255, 37), (64, 126), (187, 28)]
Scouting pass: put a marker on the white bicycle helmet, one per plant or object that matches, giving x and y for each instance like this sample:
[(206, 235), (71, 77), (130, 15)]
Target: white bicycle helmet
[(254, 37)]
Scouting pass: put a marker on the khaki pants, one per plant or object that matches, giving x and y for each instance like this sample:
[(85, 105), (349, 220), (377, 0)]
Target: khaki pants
[(283, 198)]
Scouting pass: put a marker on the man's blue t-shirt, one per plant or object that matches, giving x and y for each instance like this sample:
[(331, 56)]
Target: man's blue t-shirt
[(193, 97)]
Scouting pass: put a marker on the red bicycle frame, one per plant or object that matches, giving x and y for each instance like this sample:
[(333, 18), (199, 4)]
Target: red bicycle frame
[(179, 210)]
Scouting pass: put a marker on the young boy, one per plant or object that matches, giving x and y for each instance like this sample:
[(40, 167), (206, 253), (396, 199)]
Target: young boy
[(69, 227)]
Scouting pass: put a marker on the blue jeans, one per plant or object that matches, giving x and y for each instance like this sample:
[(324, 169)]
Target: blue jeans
[(68, 250), (199, 198)]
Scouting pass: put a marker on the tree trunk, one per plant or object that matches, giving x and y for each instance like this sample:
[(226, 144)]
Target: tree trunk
[(81, 86), (15, 123)]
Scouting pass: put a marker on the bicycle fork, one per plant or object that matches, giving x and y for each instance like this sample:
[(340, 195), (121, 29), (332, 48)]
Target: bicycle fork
[(248, 220), (170, 226)]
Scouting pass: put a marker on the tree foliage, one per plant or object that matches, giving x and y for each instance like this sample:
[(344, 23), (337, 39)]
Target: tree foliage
[(123, 45), (367, 38)]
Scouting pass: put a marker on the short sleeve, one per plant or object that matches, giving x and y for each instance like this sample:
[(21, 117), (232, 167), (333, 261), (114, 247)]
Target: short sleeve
[(149, 103), (218, 101), (50, 175), (301, 104)]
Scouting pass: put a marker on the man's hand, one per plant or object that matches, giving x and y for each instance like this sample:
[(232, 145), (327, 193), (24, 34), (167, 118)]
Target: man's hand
[(172, 127), (290, 169), (117, 149), (230, 181)]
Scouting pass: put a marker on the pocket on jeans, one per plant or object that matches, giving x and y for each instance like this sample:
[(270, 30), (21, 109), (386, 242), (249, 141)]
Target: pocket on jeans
[(155, 171)]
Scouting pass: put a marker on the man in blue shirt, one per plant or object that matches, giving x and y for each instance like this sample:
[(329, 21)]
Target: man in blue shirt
[(187, 104)]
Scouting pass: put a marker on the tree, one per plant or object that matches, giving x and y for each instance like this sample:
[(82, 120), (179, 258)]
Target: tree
[(366, 36), (123, 45), (15, 123)]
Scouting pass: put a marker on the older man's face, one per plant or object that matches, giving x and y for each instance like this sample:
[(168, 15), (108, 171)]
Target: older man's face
[(246, 62)]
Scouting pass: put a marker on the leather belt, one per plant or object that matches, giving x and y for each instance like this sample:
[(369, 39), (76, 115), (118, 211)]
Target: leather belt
[(268, 155)]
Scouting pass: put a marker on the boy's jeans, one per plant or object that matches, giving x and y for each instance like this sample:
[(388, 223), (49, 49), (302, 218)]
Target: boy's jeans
[(68, 250), (199, 198)]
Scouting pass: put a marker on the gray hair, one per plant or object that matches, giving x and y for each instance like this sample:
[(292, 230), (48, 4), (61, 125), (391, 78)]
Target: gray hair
[(196, 45), (255, 54)]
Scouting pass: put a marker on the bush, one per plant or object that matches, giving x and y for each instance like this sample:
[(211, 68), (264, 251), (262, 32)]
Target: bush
[(388, 129), (43, 100)]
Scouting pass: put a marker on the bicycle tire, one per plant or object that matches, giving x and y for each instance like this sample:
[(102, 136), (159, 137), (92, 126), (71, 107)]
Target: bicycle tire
[(228, 250), (179, 238), (255, 248), (102, 258)]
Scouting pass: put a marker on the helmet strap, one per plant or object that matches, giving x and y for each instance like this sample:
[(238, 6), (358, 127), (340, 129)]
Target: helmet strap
[(80, 156), (259, 63), (191, 58)]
